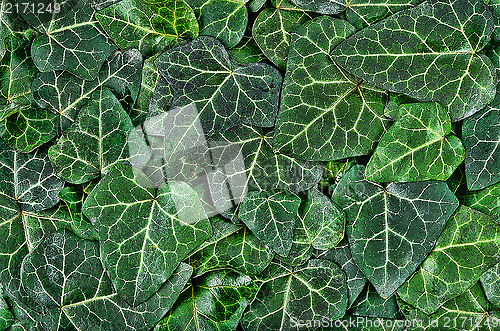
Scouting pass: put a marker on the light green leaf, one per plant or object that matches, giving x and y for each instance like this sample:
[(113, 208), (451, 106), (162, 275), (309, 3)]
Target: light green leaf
[(392, 229), (287, 295), (215, 301), (230, 95), (429, 52), (341, 254), (148, 25), (273, 27), (64, 94), (232, 246), (417, 147), (271, 217), (144, 233), (225, 20), (481, 138), (68, 35), (101, 137), (326, 114), (468, 246)]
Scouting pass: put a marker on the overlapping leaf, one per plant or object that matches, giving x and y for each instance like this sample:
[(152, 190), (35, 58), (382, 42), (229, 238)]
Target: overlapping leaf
[(417, 147), (6, 318), (148, 25), (233, 247), (468, 246), (370, 304), (481, 138), (222, 95), (392, 229), (247, 51), (407, 53), (486, 200), (215, 301), (490, 281), (64, 94), (325, 113), (68, 35), (306, 293), (144, 232)]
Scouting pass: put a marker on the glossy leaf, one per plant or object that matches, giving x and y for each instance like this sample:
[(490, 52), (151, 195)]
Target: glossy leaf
[(486, 200), (417, 147), (287, 295), (148, 25), (232, 246), (411, 52), (271, 217), (468, 246), (215, 301), (392, 229), (144, 233), (325, 113), (67, 37)]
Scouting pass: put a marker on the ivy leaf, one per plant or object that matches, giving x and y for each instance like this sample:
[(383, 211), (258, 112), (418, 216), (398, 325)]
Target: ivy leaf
[(341, 254), (101, 137), (232, 246), (326, 114), (481, 138), (392, 229), (287, 295), (73, 198), (230, 95), (412, 51), (215, 301), (490, 281), (68, 35), (64, 94), (247, 51), (6, 318), (370, 304), (417, 147), (222, 19), (468, 246), (486, 200), (144, 233), (271, 217), (148, 25), (273, 27)]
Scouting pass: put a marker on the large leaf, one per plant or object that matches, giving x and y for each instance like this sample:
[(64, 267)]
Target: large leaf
[(341, 254), (271, 217), (144, 232), (68, 35), (148, 25), (53, 274), (326, 114), (102, 135), (468, 246), (64, 94), (305, 293), (417, 147), (215, 301), (225, 20), (481, 138), (273, 27), (233, 247), (430, 53), (392, 229), (230, 95)]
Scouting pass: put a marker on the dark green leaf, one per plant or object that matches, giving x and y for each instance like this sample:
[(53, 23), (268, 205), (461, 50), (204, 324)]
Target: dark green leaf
[(370, 304), (6, 318), (490, 281), (246, 51), (486, 200)]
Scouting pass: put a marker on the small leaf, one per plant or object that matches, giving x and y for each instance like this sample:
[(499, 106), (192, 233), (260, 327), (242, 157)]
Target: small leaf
[(148, 25), (468, 246), (6, 318), (271, 217), (246, 51), (370, 304), (490, 281), (486, 200)]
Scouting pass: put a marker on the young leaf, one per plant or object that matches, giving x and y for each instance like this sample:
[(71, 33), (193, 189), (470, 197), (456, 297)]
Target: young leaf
[(308, 292), (481, 138), (148, 25), (430, 53), (144, 233), (417, 147), (271, 217), (68, 35), (233, 247), (215, 301), (392, 229), (326, 114), (468, 246)]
